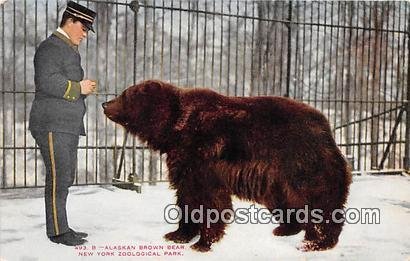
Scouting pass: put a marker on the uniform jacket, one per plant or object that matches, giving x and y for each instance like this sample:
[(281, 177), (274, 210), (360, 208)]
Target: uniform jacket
[(58, 104)]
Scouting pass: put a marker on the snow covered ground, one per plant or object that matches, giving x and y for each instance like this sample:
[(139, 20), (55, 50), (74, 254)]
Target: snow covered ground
[(116, 218)]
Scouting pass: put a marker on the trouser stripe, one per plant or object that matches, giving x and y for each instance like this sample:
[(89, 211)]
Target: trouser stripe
[(53, 178)]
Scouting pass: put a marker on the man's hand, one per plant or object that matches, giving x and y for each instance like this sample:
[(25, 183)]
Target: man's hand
[(88, 86)]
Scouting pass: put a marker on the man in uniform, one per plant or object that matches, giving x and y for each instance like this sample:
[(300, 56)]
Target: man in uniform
[(56, 117)]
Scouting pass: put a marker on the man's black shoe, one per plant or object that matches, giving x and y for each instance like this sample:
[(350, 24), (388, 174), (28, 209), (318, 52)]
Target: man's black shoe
[(79, 234), (68, 239)]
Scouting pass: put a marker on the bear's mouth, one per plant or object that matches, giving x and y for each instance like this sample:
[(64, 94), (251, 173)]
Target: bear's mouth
[(109, 116), (115, 119)]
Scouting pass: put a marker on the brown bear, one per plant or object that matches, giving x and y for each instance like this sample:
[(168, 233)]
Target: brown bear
[(270, 150)]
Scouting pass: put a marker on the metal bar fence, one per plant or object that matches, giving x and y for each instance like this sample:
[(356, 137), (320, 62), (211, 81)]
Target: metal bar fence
[(350, 60)]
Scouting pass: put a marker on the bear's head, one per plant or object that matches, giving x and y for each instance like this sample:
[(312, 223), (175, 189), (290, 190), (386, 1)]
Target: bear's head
[(148, 110)]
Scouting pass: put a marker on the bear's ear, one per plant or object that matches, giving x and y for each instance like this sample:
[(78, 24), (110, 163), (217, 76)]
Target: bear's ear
[(151, 86)]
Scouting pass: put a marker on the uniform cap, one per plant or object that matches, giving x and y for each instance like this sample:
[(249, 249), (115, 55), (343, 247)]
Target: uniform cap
[(85, 15)]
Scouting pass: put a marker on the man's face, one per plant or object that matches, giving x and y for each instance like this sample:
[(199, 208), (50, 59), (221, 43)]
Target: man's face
[(77, 31)]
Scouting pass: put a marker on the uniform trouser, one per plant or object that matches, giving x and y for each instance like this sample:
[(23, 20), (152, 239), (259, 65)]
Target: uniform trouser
[(59, 152)]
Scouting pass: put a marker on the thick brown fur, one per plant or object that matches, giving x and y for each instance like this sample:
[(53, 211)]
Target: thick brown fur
[(271, 150)]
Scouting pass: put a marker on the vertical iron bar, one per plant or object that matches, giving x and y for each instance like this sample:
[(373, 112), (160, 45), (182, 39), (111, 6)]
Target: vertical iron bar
[(162, 42), (393, 41), (154, 38), (171, 40), (385, 50), (86, 116), (97, 62), (275, 16), (25, 94), (180, 43), (348, 87), (324, 61), (221, 50), (196, 42), (379, 84), (236, 50), (289, 54), (392, 158), (3, 138), (188, 46), (265, 59), (14, 95), (336, 94), (260, 43), (355, 94), (35, 47), (317, 58), (106, 98), (123, 158), (162, 70), (152, 158), (342, 80), (367, 84), (46, 31), (406, 162), (213, 46), (296, 68), (396, 96), (205, 46), (244, 51), (86, 101), (361, 105), (310, 52), (145, 42), (115, 89), (57, 24), (406, 22), (228, 67), (302, 88), (329, 83), (373, 161), (251, 91), (134, 81)]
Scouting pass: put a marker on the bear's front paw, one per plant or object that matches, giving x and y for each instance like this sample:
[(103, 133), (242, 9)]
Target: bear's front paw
[(178, 237), (201, 247)]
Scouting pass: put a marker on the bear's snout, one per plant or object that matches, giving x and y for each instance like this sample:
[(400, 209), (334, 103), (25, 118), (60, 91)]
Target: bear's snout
[(111, 109), (107, 109)]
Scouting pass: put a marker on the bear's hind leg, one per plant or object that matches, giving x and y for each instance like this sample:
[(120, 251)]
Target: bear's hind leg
[(321, 236)]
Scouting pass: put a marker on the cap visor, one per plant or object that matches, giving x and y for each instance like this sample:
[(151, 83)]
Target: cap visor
[(90, 27)]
